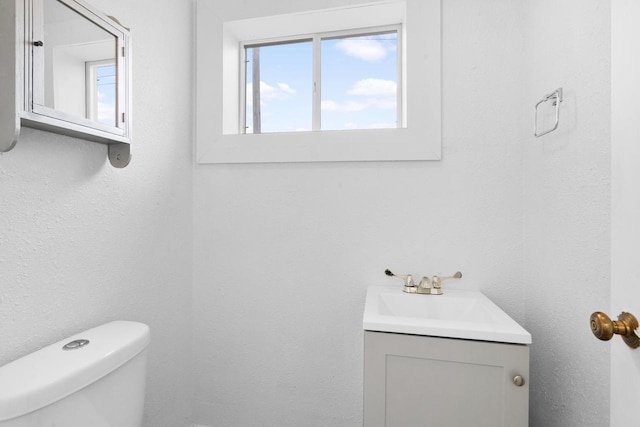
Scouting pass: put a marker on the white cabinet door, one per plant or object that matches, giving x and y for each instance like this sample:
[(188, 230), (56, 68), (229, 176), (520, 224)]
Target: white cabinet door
[(427, 381)]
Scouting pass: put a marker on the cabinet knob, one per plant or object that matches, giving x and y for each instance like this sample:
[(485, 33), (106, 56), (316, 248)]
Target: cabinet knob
[(38, 43), (518, 380), (604, 328)]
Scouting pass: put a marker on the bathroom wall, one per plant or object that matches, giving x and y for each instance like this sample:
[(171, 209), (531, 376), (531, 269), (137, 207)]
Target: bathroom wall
[(567, 211), (82, 243), (284, 252)]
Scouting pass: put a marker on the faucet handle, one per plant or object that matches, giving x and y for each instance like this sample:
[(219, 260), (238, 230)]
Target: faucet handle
[(407, 279), (433, 286), (456, 275), (436, 281)]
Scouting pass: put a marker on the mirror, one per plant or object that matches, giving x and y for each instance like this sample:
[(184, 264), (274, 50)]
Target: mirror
[(79, 65), (80, 73)]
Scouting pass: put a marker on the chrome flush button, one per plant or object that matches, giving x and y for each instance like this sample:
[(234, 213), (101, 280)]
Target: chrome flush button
[(74, 345)]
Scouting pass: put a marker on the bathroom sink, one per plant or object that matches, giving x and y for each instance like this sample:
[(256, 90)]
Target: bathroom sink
[(455, 314)]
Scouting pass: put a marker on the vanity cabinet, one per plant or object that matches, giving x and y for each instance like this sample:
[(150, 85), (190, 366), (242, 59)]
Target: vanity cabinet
[(412, 380), (66, 69)]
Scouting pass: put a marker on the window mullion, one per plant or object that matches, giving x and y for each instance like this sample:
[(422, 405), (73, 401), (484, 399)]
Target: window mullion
[(400, 80), (242, 102), (315, 110)]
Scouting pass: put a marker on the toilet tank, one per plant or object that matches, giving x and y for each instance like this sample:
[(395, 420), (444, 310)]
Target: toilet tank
[(99, 383)]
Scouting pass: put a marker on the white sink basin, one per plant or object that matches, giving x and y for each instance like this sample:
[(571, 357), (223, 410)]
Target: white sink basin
[(456, 314)]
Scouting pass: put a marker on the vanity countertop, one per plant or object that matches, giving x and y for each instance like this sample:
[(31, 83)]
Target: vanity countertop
[(460, 314)]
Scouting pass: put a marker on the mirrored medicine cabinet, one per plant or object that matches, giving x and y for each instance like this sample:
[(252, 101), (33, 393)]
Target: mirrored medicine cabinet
[(65, 68)]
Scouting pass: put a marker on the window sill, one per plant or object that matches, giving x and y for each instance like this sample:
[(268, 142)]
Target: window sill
[(321, 146)]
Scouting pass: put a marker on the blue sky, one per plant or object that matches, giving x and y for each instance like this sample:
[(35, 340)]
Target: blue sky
[(359, 81), (106, 91)]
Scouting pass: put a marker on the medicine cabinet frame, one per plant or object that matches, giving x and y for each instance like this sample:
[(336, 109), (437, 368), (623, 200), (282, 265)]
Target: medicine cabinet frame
[(22, 92)]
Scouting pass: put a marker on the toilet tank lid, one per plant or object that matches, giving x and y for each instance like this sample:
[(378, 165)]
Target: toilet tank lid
[(50, 374)]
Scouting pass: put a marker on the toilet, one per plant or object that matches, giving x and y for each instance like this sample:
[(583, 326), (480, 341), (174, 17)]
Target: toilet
[(92, 379)]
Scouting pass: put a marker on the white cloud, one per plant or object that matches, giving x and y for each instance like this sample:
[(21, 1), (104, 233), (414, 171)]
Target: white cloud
[(107, 113), (269, 93), (382, 125), (286, 88), (346, 107), (378, 125), (365, 49), (372, 93), (373, 87), (385, 103)]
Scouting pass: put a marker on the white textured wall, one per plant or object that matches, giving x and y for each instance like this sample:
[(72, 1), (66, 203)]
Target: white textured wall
[(284, 252), (567, 217), (82, 243)]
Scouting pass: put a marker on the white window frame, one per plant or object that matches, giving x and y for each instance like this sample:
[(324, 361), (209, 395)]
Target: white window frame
[(316, 40), (218, 36)]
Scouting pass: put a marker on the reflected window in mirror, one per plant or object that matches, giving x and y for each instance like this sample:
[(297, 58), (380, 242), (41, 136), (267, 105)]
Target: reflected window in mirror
[(101, 92)]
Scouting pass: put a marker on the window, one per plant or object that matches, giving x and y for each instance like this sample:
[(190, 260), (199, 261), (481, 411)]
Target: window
[(337, 121), (328, 81)]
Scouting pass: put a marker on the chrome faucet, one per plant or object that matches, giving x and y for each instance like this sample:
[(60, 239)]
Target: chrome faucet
[(429, 286)]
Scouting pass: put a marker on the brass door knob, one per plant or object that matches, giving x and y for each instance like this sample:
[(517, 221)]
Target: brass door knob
[(604, 328)]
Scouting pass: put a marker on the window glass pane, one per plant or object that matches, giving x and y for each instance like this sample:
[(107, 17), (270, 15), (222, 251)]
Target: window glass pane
[(282, 101), (359, 82)]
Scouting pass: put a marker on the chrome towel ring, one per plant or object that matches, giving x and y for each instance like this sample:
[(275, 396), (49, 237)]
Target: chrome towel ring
[(556, 98)]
